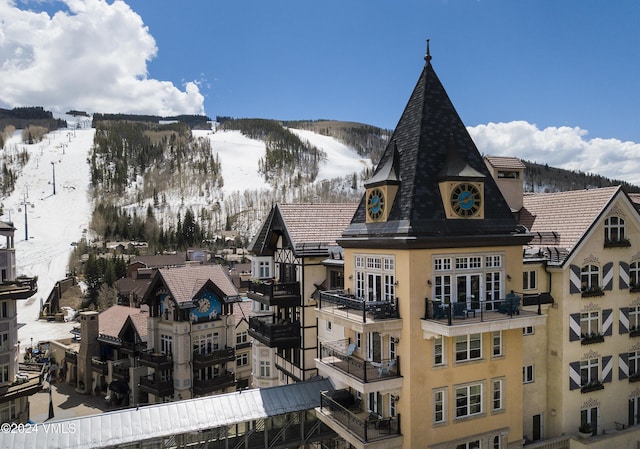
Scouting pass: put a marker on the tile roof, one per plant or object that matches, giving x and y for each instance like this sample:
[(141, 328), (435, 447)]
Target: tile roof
[(161, 260), (309, 229), (428, 131), (323, 223), (110, 321), (185, 282), (505, 162), (243, 310), (561, 219)]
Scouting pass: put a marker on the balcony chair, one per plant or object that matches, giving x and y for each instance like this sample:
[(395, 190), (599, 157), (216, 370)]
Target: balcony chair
[(459, 310), (510, 305)]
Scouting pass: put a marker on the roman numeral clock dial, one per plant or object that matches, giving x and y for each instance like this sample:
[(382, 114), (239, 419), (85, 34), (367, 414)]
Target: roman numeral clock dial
[(375, 204), (465, 200)]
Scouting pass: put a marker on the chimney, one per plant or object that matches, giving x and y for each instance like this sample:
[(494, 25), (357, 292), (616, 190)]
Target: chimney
[(508, 173)]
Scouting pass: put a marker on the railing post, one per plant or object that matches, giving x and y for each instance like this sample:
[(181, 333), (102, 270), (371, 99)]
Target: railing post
[(449, 312), (539, 305)]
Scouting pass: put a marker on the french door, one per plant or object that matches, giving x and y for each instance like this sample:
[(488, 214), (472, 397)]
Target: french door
[(468, 290)]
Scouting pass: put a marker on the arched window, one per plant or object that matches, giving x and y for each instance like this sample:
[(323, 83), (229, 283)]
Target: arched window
[(634, 274), (590, 277)]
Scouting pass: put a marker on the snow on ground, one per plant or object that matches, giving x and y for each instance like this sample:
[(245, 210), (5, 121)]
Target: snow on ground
[(341, 160), (53, 222), (239, 156)]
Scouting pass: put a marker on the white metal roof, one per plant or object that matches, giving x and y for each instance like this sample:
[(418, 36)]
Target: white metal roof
[(161, 420)]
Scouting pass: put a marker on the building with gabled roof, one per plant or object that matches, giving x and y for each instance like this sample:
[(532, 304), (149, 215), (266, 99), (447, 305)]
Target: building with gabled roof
[(289, 250), (581, 372), (191, 336)]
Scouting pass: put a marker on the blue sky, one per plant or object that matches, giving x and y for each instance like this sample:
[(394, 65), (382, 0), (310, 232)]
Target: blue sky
[(544, 63)]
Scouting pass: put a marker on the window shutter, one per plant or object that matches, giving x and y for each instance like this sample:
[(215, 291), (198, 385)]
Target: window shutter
[(574, 375), (607, 276), (574, 327), (607, 368), (623, 366), (607, 322), (623, 324), (624, 276), (574, 279)]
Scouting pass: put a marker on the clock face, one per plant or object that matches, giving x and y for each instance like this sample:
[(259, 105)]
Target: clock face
[(204, 305), (465, 200), (375, 204)]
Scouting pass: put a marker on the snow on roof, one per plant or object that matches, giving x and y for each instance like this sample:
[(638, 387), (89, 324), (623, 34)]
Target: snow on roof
[(123, 427)]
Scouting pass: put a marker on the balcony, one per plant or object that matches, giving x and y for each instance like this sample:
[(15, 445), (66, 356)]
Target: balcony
[(208, 386), (24, 385), (71, 357), (99, 366), (462, 318), (156, 360), (358, 314), (202, 360), (365, 376), (129, 348), (150, 384), (121, 371), (362, 429), (282, 334), (21, 288), (281, 294)]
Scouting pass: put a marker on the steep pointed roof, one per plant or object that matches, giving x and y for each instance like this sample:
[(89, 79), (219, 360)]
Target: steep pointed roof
[(307, 228), (430, 143)]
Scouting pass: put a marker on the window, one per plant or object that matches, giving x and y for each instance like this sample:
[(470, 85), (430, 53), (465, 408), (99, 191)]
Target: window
[(393, 404), (264, 269), (589, 324), (242, 360), (358, 340), (634, 318), (206, 343), (468, 400), (528, 374), (614, 229), (375, 278), (589, 371), (328, 326), (441, 264), (496, 343), (634, 363), (242, 338), (4, 312), (496, 442), (4, 341), (442, 290), (4, 373), (529, 330), (393, 344), (497, 394), (468, 347), (475, 444), (259, 307), (439, 409), (590, 277), (493, 261), (634, 274), (8, 412), (529, 280), (336, 280), (166, 344), (265, 368), (438, 351)]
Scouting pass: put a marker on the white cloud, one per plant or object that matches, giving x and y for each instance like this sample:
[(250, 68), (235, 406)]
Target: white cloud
[(93, 57), (561, 147)]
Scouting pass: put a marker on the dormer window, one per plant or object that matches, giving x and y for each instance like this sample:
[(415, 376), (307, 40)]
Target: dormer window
[(614, 232)]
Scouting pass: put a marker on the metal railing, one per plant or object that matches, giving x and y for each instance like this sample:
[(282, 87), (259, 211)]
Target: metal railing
[(367, 427), (377, 308), (365, 371), (486, 310)]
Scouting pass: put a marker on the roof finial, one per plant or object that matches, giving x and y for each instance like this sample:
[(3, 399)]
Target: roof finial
[(427, 57)]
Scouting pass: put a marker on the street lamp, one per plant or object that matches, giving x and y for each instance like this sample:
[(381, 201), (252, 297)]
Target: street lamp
[(53, 165)]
